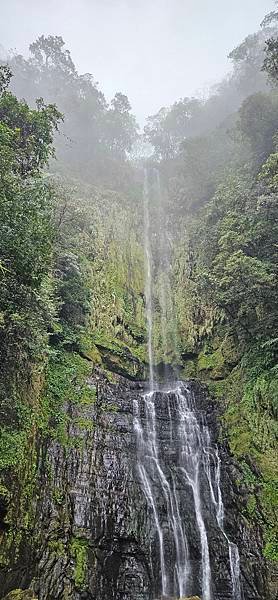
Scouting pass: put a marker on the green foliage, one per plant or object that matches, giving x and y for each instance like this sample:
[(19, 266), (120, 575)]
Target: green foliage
[(25, 220), (258, 123), (213, 362), (98, 135), (84, 423), (270, 64), (79, 551), (58, 498), (251, 414), (225, 287), (271, 547), (74, 296), (32, 131), (251, 393), (26, 305), (13, 446), (72, 263), (166, 130), (66, 383), (251, 505), (27, 232), (269, 173), (234, 257), (99, 269)]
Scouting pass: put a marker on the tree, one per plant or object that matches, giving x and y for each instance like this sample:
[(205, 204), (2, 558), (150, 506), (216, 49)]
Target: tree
[(270, 18), (270, 64), (95, 137), (5, 77), (257, 123), (49, 52), (235, 253), (34, 130), (120, 127), (248, 60), (171, 126), (26, 226)]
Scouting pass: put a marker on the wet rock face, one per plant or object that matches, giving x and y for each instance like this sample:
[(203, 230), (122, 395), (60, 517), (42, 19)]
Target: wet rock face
[(100, 506), (96, 536)]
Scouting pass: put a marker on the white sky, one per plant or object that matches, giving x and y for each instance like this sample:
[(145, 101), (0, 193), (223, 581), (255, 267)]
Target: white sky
[(155, 51)]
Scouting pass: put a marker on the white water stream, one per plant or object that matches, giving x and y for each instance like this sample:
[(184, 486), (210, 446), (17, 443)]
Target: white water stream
[(196, 461)]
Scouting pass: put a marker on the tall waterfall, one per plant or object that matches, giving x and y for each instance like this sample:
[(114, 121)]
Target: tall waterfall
[(148, 275), (185, 469)]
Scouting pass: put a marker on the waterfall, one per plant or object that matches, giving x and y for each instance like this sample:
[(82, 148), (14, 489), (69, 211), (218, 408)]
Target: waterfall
[(154, 473), (148, 275), (149, 445), (235, 570), (186, 466), (193, 448), (168, 326), (233, 549)]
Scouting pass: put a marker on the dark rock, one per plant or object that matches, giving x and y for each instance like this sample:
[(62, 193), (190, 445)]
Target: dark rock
[(96, 532)]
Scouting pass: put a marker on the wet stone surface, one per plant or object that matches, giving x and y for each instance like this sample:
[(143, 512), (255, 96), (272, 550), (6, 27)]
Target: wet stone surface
[(97, 534)]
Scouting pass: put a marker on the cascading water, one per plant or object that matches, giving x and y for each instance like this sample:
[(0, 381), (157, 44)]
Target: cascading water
[(181, 467), (235, 570), (148, 275), (152, 470)]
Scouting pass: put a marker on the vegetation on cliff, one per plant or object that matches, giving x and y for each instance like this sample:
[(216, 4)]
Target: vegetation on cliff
[(72, 263), (226, 279), (71, 282)]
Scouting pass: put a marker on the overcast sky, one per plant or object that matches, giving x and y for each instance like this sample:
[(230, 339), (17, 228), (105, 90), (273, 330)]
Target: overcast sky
[(155, 51)]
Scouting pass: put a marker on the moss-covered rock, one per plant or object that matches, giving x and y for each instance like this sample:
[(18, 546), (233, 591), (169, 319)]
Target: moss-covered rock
[(79, 552), (20, 595), (212, 364), (119, 358)]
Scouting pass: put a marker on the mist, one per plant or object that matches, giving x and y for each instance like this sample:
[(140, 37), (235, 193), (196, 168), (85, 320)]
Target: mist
[(155, 52), (138, 300)]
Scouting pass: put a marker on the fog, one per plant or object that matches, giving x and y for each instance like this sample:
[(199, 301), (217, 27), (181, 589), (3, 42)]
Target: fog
[(138, 299), (155, 52)]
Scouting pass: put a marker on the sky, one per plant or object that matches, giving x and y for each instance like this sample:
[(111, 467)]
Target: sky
[(155, 51)]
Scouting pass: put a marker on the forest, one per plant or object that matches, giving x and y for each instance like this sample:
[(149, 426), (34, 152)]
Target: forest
[(79, 318)]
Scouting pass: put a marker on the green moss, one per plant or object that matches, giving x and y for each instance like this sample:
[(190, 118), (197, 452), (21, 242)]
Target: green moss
[(216, 388), (12, 447), (119, 358), (248, 476), (21, 595), (93, 354), (66, 382), (189, 370), (76, 442), (251, 505), (271, 546), (58, 496), (84, 423), (79, 552), (214, 363), (250, 396), (57, 548), (4, 492)]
